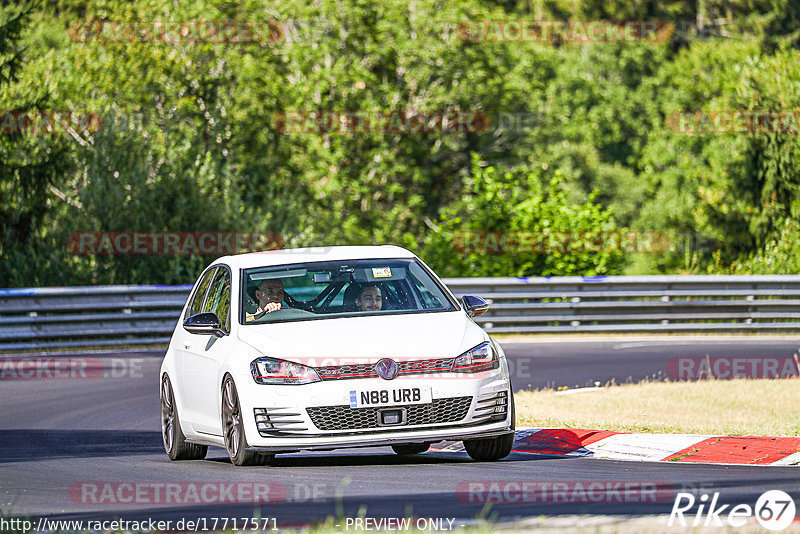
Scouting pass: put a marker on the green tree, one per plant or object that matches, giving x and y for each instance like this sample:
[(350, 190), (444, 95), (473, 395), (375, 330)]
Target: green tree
[(496, 205), (733, 188), (32, 162)]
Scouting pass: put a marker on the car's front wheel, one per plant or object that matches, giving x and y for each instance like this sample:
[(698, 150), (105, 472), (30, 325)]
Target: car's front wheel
[(233, 429), (174, 441), (411, 448), (492, 449)]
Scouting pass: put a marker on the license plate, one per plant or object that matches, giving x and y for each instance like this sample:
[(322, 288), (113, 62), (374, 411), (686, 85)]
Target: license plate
[(363, 398)]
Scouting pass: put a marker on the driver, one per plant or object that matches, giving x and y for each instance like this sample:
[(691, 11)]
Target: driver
[(269, 296), (369, 298)]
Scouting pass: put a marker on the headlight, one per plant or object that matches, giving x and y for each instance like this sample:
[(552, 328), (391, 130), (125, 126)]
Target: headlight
[(273, 371), (481, 358)]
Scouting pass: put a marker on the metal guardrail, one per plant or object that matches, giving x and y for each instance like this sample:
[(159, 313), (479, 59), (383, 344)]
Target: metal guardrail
[(100, 316), (105, 316), (676, 303)]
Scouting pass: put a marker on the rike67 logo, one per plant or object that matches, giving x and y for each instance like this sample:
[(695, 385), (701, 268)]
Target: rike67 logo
[(774, 510)]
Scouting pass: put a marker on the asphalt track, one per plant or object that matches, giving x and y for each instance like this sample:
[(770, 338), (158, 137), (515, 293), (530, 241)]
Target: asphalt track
[(576, 361), (58, 435)]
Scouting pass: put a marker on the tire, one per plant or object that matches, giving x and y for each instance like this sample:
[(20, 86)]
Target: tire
[(411, 448), (233, 429), (493, 449), (171, 434)]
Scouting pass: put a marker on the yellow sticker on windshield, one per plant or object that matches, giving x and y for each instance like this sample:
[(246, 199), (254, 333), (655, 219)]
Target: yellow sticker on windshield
[(381, 272)]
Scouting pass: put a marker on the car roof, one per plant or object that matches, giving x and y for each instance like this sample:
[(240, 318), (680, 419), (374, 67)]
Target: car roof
[(306, 255)]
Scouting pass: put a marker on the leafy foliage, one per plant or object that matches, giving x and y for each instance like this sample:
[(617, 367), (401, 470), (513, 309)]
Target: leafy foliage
[(516, 226), (580, 137)]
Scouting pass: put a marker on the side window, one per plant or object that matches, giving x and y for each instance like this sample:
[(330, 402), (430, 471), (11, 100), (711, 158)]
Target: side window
[(428, 300), (219, 297), (399, 296), (197, 299)]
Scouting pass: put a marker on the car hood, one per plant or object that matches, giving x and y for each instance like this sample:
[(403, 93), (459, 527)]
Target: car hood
[(367, 339)]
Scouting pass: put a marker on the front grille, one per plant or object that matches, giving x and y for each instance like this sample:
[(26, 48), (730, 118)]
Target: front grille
[(426, 366), (336, 372), (367, 370), (347, 418)]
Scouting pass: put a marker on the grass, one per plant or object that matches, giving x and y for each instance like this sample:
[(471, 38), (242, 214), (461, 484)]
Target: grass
[(744, 407)]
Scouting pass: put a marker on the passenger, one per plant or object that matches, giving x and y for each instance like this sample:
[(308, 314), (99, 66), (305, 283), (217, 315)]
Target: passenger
[(269, 297), (369, 298)]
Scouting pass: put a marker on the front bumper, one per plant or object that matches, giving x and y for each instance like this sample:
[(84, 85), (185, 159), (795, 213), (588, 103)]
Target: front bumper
[(292, 427)]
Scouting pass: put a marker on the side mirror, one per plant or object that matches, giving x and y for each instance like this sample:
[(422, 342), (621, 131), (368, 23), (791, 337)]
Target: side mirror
[(204, 323), (474, 305)]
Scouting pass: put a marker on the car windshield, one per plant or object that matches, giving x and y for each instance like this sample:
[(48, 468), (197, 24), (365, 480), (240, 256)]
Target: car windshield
[(323, 290)]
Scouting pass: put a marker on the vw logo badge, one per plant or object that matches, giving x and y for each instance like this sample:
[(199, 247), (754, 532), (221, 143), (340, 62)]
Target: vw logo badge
[(387, 369)]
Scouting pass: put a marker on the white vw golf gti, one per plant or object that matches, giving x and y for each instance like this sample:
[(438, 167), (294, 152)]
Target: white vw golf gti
[(330, 348)]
